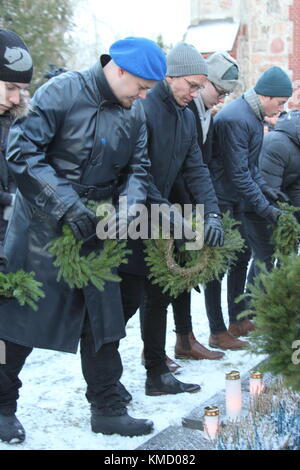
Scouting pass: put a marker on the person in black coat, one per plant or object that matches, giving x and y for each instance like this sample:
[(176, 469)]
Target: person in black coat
[(279, 164), (173, 150), (238, 138), (223, 76), (85, 134)]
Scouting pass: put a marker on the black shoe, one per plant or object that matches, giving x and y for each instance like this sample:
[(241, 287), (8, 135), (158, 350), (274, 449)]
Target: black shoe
[(166, 384), (123, 425), (11, 430), (126, 396)]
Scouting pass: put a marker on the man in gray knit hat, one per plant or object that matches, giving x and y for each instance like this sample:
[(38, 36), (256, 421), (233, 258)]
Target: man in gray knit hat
[(173, 150)]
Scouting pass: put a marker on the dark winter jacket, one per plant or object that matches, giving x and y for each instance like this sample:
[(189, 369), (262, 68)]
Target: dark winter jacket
[(7, 183), (179, 193), (77, 133), (279, 160), (238, 137), (173, 151), (173, 148)]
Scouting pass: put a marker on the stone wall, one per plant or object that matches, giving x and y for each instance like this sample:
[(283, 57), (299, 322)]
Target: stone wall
[(269, 33)]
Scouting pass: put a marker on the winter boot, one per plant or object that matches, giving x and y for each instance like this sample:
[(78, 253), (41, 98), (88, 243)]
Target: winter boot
[(165, 384), (241, 328), (226, 341), (187, 347), (124, 425), (11, 430)]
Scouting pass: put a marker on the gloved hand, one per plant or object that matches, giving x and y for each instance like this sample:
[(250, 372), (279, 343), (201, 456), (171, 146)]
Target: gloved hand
[(273, 214), (82, 220), (274, 194), (3, 259), (213, 230)]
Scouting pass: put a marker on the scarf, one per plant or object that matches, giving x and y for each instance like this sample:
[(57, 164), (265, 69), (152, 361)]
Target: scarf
[(204, 115), (254, 103)]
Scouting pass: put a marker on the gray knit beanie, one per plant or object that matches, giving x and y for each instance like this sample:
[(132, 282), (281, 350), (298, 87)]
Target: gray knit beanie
[(184, 59), (223, 70)]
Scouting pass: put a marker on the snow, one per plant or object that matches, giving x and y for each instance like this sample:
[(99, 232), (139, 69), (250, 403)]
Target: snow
[(52, 405)]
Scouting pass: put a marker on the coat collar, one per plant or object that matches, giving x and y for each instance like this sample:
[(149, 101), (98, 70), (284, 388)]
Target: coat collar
[(105, 92)]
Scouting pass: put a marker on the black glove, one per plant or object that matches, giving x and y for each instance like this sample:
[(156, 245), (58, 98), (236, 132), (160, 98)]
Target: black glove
[(82, 220), (213, 230), (274, 194), (274, 213), (3, 259)]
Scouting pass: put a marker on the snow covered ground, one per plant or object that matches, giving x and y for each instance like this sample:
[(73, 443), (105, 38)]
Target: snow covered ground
[(55, 413)]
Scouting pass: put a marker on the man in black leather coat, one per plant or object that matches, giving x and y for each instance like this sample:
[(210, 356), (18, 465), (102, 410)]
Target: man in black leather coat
[(84, 130)]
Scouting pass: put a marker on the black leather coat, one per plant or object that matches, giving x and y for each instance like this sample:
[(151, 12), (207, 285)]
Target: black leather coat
[(77, 133)]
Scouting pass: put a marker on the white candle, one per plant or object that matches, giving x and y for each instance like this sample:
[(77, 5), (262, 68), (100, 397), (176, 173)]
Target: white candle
[(256, 383), (233, 395), (211, 421)]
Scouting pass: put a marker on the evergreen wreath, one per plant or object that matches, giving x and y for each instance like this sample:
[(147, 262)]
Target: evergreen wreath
[(77, 270), (21, 286), (178, 272)]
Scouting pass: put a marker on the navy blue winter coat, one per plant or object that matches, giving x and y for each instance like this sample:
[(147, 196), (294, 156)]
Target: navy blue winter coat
[(238, 137)]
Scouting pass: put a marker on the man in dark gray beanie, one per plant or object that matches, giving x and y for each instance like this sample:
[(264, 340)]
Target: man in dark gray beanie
[(173, 150), (238, 135)]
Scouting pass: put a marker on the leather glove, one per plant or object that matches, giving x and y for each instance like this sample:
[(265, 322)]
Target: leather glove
[(213, 230), (3, 259), (273, 214), (274, 194), (82, 220)]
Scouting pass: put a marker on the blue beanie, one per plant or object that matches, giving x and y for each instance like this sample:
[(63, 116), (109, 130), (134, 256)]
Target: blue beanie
[(274, 82), (139, 56)]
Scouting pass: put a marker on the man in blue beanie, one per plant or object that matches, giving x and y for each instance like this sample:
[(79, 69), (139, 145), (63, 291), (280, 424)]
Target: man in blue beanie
[(85, 130), (238, 138)]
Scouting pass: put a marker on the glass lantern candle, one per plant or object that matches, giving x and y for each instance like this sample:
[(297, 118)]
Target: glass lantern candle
[(211, 421), (256, 383), (233, 395)]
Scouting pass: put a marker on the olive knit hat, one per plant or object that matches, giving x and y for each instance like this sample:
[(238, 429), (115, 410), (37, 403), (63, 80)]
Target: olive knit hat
[(274, 82), (223, 70), (15, 59)]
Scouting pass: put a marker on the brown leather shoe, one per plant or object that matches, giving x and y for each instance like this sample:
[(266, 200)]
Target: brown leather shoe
[(187, 347), (172, 365), (241, 328), (225, 341)]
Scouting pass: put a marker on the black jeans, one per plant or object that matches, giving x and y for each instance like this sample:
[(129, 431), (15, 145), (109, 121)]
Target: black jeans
[(139, 292), (101, 370), (259, 234), (236, 280), (182, 313)]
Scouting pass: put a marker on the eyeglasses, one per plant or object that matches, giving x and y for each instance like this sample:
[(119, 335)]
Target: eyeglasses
[(221, 93), (193, 87)]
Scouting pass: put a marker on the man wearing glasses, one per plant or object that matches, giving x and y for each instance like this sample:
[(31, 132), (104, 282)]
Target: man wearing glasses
[(173, 150), (223, 74)]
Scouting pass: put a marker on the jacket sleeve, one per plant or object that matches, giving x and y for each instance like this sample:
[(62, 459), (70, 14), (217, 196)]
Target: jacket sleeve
[(233, 141), (272, 162), (29, 138), (197, 179)]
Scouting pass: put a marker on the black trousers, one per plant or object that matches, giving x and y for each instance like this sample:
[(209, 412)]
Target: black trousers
[(236, 280), (139, 292), (259, 233), (101, 370), (182, 313)]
